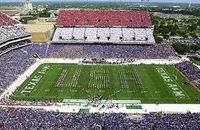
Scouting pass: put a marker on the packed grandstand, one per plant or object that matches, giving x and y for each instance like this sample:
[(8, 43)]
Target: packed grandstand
[(123, 36)]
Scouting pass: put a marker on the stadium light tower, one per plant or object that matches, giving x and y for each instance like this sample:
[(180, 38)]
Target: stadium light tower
[(28, 5)]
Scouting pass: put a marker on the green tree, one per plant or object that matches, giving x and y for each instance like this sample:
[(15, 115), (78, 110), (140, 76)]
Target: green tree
[(195, 47), (158, 39), (181, 48)]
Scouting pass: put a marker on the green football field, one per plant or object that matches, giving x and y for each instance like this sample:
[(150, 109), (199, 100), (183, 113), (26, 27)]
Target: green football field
[(148, 83)]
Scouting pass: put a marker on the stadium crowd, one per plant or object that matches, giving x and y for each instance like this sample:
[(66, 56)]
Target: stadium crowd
[(12, 65), (12, 33), (8, 33), (157, 51), (190, 70), (24, 118)]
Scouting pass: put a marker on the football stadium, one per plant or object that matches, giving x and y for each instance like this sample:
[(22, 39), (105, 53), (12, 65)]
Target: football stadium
[(102, 70)]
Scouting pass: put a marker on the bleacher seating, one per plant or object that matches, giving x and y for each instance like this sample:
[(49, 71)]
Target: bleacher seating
[(107, 26), (191, 71), (8, 33), (5, 20), (11, 33), (40, 119), (105, 35), (103, 18)]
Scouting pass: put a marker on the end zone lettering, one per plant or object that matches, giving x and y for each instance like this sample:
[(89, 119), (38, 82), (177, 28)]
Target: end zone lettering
[(170, 83), (35, 80)]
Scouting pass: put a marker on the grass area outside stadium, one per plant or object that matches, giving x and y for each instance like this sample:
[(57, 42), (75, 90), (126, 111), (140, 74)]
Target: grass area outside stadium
[(195, 60), (148, 83)]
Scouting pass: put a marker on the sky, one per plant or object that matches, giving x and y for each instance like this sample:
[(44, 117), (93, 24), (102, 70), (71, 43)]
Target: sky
[(169, 1)]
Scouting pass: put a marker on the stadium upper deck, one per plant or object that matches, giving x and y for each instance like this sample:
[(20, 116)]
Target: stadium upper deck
[(103, 18), (11, 33), (103, 26), (5, 20)]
